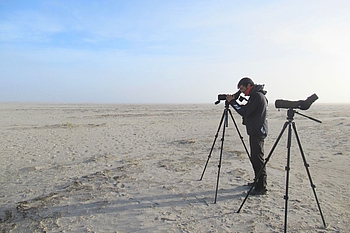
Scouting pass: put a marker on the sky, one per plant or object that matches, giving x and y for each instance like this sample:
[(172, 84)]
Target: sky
[(156, 51)]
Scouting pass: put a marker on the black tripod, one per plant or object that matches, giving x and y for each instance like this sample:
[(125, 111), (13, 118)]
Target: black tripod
[(290, 124), (224, 118)]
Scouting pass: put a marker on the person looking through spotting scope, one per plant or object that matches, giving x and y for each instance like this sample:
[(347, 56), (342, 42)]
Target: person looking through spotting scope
[(254, 118)]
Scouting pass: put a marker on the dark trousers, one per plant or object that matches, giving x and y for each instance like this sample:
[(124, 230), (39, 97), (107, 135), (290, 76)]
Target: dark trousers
[(257, 160)]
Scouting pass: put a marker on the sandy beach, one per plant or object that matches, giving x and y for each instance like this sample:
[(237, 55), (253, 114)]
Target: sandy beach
[(136, 168)]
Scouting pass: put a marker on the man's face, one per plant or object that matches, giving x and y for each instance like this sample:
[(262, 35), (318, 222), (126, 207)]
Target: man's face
[(243, 88)]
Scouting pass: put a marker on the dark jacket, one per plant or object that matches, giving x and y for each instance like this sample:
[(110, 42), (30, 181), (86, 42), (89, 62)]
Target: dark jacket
[(254, 112)]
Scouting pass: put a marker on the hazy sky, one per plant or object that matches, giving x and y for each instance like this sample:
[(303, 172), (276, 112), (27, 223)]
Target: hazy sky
[(140, 51)]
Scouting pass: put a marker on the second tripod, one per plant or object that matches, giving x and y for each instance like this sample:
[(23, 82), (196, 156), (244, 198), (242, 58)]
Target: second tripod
[(224, 123)]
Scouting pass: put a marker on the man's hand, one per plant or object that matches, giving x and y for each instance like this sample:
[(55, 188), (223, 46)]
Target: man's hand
[(229, 98), (235, 96)]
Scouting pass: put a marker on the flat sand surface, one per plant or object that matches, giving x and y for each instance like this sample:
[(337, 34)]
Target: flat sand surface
[(136, 168)]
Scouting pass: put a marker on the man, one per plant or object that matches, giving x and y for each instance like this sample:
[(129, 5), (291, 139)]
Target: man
[(254, 118)]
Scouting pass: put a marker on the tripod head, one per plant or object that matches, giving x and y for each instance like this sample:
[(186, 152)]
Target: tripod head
[(227, 104), (291, 114)]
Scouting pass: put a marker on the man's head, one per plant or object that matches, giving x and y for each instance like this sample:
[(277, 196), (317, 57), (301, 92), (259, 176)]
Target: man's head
[(244, 84)]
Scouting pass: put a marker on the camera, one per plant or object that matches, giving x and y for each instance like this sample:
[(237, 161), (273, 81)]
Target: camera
[(223, 97), (301, 104)]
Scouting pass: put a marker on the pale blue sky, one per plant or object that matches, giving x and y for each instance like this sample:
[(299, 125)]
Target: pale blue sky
[(172, 51)]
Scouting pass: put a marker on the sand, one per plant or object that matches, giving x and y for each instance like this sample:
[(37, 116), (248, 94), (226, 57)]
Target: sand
[(136, 168)]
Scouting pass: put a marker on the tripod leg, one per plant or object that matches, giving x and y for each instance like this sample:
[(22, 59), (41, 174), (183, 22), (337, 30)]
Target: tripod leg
[(212, 147), (287, 176), (308, 173), (219, 166), (266, 161), (239, 134)]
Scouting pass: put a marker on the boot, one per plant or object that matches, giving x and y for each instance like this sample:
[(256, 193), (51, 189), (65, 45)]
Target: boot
[(260, 186)]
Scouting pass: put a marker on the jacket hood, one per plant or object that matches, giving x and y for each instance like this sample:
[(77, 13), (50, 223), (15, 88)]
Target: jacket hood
[(258, 88)]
